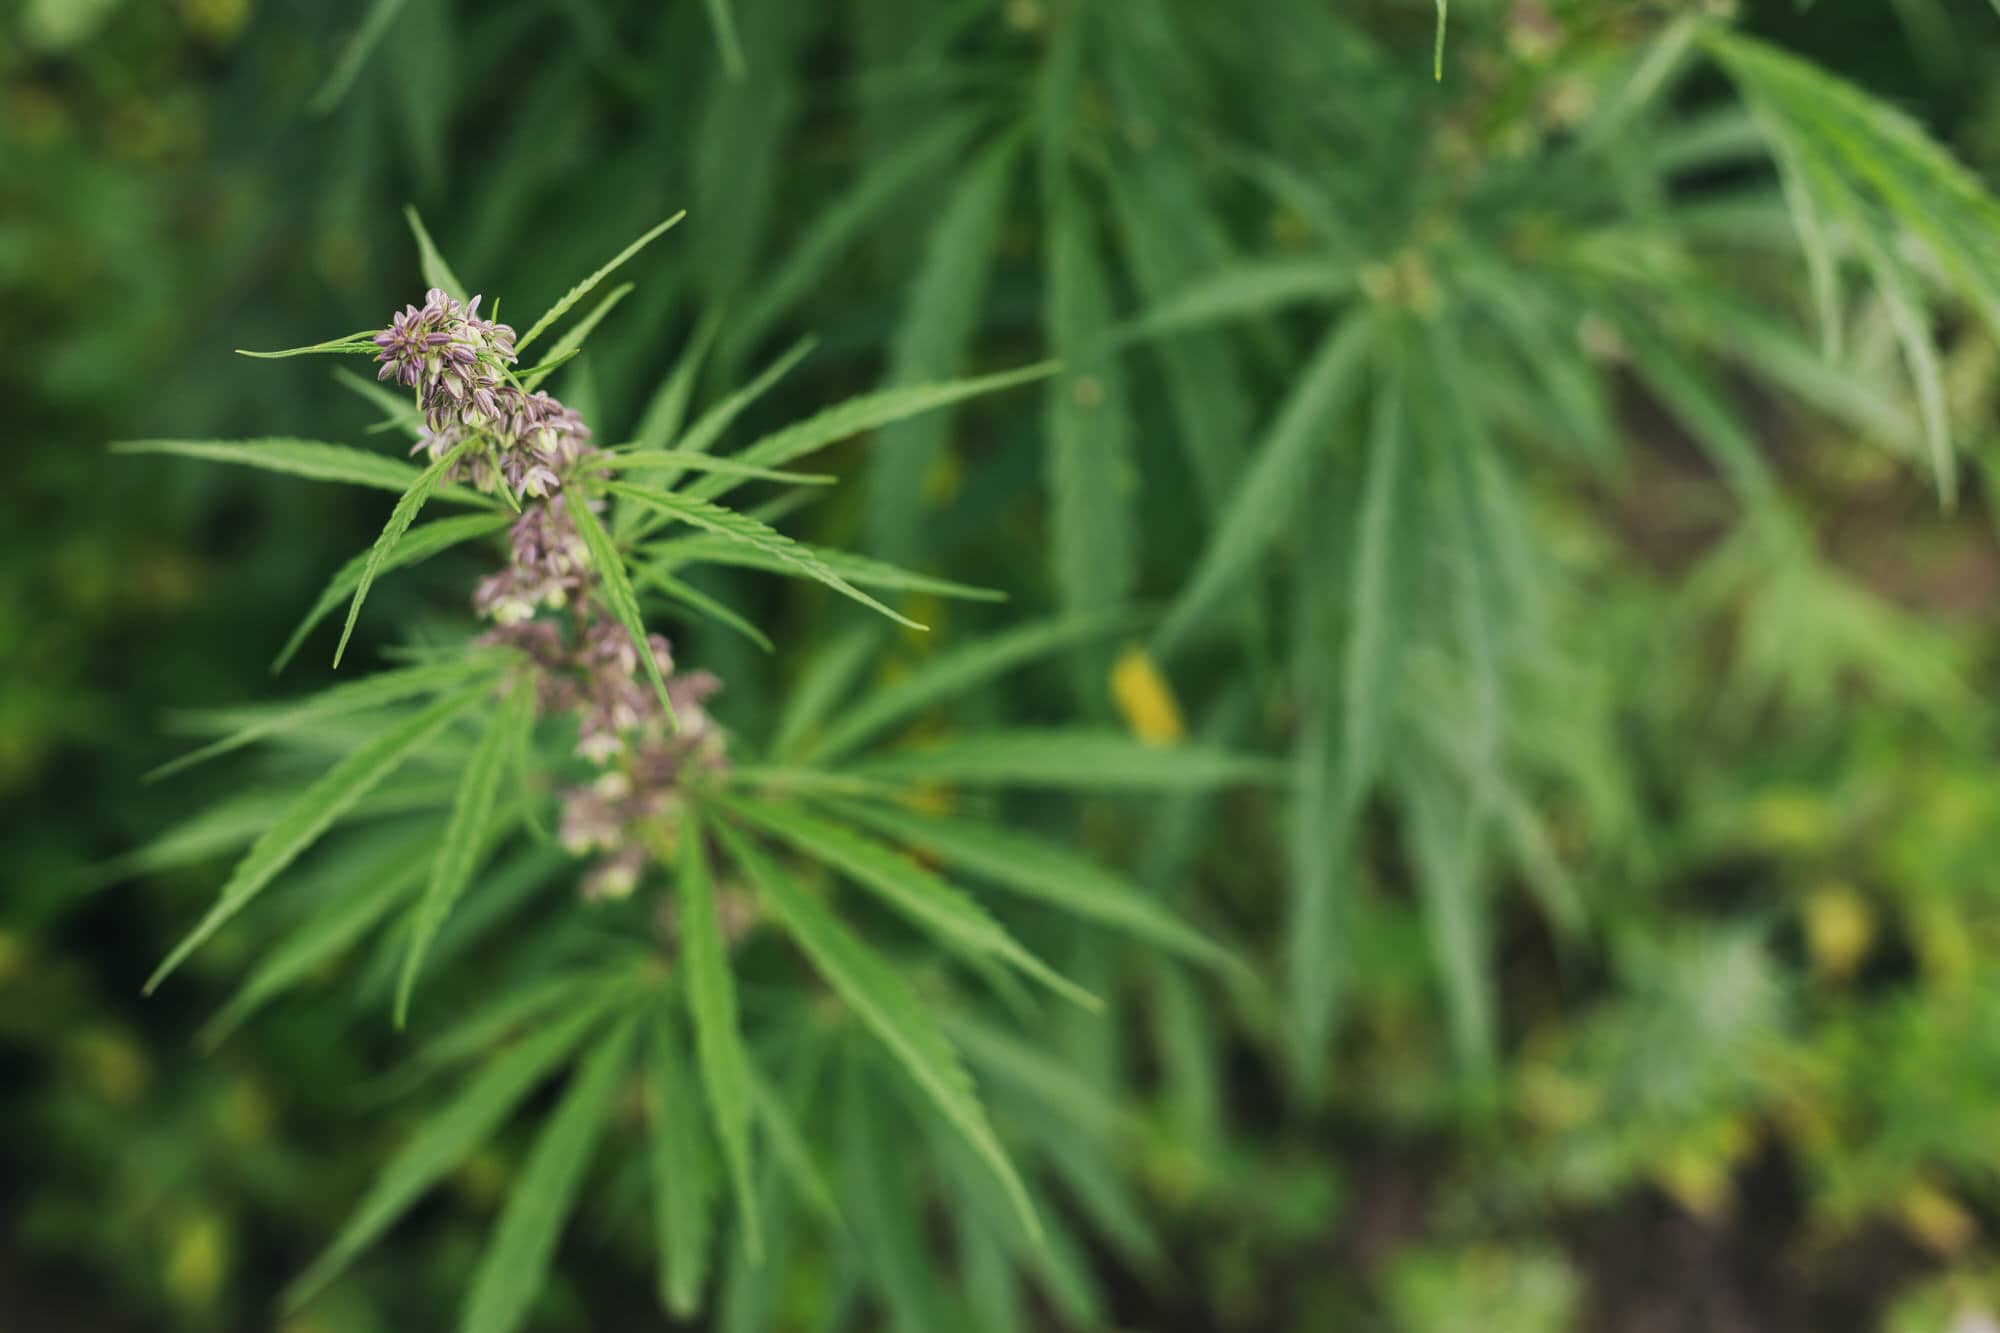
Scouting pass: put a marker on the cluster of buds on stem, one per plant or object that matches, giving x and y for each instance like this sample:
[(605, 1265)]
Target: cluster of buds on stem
[(584, 665), (458, 364)]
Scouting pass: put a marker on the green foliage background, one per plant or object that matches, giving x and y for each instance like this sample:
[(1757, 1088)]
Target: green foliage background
[(1498, 452)]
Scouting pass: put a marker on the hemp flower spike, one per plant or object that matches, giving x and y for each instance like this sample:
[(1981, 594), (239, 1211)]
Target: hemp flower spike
[(583, 665), (457, 363)]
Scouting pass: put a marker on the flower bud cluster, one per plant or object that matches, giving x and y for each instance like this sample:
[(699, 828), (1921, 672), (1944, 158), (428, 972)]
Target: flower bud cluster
[(457, 361), (585, 666)]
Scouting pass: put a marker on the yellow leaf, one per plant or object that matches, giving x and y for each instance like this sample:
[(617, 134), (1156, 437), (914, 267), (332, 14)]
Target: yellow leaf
[(1698, 1181), (1144, 698), (1789, 819), (1937, 1219), (196, 1260), (1550, 1099), (1840, 929), (113, 1066)]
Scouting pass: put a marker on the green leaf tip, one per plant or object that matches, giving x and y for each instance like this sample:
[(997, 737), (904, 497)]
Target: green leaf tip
[(315, 811), (436, 272), (583, 289)]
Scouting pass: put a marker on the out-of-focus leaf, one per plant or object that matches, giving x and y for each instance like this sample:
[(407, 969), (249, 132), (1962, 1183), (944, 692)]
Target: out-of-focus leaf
[(949, 674), (516, 1262), (400, 519), (892, 1010), (617, 589), (932, 341), (1080, 759), (436, 272), (863, 413), (683, 1176), (711, 1000), (758, 536), (465, 835), (310, 459), (1040, 870), (375, 25), (449, 1137), (315, 811), (571, 343), (416, 545), (1270, 487), (961, 924), (722, 18), (583, 289)]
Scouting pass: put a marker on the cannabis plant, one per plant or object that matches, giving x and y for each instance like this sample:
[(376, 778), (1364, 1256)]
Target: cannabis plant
[(1476, 425), (554, 802)]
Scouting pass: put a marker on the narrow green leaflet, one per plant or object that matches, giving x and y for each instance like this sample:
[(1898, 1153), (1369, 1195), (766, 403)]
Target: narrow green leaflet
[(466, 834), (711, 1001), (859, 570), (863, 413), (829, 674), (946, 299), (992, 1293), (449, 1137), (699, 601), (1700, 408), (1165, 233), (680, 1161), (667, 409), (839, 223), (400, 519), (436, 272), (688, 460), (893, 1011), (315, 811), (723, 20), (1815, 243), (417, 544), (950, 673), (516, 1263), (511, 1014), (384, 687), (310, 459), (1054, 1083), (1897, 286), (1039, 870), (1458, 444), (789, 1149), (618, 592), (709, 428), (1093, 486), (1243, 290), (583, 289), (401, 414), (1275, 478), (710, 425), (1389, 555), (1080, 759), (237, 820), (878, 1179), (571, 343), (348, 895), (1438, 59), (742, 528), (955, 919), (354, 344), (374, 25), (1442, 830)]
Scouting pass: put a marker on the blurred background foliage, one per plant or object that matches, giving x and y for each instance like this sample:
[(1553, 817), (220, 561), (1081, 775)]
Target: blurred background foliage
[(1715, 1045)]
